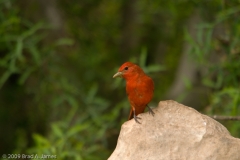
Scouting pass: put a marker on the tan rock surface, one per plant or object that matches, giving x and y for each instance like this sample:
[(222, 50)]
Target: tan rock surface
[(176, 132)]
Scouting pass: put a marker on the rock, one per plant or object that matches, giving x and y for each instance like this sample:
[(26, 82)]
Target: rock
[(176, 132)]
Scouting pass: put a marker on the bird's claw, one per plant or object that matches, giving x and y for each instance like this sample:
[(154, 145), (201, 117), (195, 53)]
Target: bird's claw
[(150, 111), (136, 118)]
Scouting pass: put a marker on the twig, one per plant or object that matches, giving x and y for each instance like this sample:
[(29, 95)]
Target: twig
[(226, 118)]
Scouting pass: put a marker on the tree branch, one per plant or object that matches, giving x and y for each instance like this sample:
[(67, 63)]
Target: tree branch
[(226, 118)]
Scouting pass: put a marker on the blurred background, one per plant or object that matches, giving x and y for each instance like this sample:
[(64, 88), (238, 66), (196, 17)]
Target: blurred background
[(57, 59)]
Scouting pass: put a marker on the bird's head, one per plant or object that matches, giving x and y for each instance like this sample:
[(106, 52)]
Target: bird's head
[(128, 70)]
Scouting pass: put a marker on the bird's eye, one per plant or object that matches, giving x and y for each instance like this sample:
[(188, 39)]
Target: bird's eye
[(126, 68)]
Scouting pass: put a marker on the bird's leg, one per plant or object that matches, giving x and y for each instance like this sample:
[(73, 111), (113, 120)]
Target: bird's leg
[(150, 111), (135, 117)]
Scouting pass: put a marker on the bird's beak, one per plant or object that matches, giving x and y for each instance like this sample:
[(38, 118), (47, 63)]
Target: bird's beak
[(118, 74)]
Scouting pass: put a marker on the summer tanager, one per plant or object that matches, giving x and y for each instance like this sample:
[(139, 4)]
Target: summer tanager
[(139, 88)]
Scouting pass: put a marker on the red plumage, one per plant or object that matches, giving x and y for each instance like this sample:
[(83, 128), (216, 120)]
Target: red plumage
[(139, 88)]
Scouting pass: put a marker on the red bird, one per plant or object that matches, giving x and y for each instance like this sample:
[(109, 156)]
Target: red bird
[(139, 88)]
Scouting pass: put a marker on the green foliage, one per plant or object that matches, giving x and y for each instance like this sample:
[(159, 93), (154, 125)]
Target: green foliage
[(218, 55), (15, 42), (58, 93), (69, 142), (151, 68), (77, 116)]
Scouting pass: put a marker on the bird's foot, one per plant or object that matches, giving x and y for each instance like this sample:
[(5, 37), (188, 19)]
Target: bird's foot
[(136, 118), (150, 111)]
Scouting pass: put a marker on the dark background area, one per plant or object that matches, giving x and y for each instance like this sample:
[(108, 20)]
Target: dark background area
[(57, 59)]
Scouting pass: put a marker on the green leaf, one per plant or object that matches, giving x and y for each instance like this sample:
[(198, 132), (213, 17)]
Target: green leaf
[(57, 131), (143, 57), (155, 68), (19, 48), (4, 78), (64, 41), (32, 30), (35, 54), (25, 75), (187, 83), (40, 140), (91, 94), (76, 129)]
